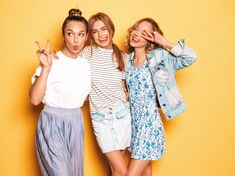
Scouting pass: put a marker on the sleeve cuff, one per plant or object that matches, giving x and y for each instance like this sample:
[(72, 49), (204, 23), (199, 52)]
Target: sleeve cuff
[(178, 48), (36, 74)]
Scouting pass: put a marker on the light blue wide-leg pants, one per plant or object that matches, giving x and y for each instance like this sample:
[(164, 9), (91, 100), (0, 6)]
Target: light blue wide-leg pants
[(60, 142)]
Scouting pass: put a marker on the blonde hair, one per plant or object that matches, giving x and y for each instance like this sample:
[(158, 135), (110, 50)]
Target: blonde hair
[(151, 45)]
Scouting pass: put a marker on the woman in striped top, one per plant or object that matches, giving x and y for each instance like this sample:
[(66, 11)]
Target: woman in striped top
[(108, 101)]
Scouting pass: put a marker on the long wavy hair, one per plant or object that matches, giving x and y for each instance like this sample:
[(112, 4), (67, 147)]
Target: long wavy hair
[(151, 45), (117, 52)]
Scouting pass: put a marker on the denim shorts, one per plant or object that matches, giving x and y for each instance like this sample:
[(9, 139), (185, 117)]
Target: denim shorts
[(112, 127)]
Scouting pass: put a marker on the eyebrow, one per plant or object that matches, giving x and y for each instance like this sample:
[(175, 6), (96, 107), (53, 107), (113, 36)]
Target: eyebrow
[(82, 31), (70, 30), (103, 27)]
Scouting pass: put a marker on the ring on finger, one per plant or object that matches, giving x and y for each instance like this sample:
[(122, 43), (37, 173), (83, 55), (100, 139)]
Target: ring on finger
[(42, 51)]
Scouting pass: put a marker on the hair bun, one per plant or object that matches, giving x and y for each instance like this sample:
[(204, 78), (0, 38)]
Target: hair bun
[(75, 12)]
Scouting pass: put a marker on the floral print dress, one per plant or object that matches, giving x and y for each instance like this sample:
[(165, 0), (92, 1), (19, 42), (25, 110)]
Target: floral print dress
[(147, 140)]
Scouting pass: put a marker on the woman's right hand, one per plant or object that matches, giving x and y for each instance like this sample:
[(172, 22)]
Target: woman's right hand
[(45, 55)]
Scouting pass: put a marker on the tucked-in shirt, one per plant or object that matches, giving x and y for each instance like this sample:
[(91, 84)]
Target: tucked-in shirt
[(68, 82), (106, 79)]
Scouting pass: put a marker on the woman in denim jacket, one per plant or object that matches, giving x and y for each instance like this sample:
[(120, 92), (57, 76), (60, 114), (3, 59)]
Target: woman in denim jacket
[(150, 79)]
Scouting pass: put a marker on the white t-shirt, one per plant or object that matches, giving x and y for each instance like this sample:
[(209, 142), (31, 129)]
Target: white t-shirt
[(106, 79), (68, 83)]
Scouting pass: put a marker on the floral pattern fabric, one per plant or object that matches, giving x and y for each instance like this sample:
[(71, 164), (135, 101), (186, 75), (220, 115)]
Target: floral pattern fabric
[(147, 140)]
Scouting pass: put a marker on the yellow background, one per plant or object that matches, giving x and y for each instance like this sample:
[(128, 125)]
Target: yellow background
[(200, 142)]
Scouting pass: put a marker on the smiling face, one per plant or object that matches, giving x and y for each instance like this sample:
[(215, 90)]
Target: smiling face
[(75, 36), (136, 39), (101, 35)]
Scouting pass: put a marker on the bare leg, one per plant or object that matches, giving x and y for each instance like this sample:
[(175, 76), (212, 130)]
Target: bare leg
[(148, 170), (123, 152), (117, 163), (137, 167)]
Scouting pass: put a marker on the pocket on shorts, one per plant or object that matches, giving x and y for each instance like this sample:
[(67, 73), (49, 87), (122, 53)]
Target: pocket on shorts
[(99, 117), (122, 110)]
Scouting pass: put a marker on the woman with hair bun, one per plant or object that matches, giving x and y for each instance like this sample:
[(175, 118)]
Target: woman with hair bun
[(150, 79), (109, 108), (62, 85)]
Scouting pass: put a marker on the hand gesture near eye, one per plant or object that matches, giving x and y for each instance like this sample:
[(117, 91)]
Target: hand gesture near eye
[(45, 56), (157, 38)]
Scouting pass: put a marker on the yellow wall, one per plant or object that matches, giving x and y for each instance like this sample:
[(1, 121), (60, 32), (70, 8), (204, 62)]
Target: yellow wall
[(200, 142)]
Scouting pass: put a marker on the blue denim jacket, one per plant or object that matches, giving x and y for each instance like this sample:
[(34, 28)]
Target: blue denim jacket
[(163, 65)]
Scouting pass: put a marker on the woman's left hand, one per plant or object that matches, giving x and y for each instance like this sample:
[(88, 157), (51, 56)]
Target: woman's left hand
[(157, 38)]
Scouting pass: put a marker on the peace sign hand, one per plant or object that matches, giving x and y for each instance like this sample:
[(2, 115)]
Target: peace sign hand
[(45, 55), (154, 37), (157, 38)]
